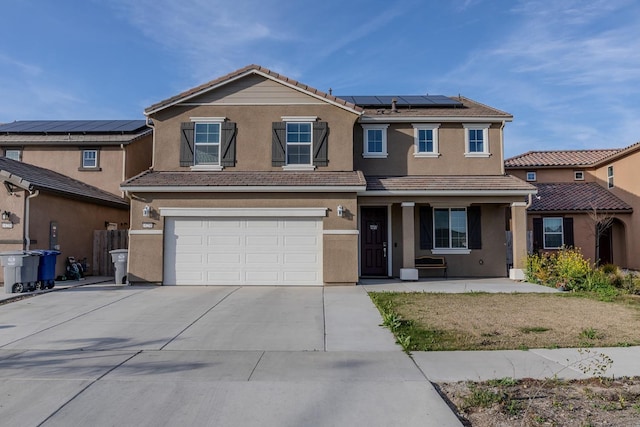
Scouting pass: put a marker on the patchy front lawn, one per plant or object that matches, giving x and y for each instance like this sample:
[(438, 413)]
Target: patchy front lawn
[(480, 321)]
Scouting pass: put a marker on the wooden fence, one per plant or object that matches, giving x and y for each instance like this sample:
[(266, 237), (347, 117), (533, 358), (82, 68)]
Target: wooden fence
[(103, 242)]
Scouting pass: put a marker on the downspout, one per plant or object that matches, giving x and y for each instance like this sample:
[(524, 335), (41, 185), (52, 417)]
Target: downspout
[(32, 194), (153, 142), (502, 146), (124, 167)]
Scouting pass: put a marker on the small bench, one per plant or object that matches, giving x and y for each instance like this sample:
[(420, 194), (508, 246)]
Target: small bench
[(429, 262)]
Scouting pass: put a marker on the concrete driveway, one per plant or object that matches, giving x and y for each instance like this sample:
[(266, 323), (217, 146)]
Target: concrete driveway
[(225, 356)]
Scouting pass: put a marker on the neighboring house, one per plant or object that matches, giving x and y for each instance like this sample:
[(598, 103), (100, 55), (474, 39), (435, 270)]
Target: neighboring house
[(42, 209), (577, 189), (102, 153), (259, 179)]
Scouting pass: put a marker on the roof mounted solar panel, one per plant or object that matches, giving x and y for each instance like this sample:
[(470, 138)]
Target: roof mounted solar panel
[(385, 101), (74, 126)]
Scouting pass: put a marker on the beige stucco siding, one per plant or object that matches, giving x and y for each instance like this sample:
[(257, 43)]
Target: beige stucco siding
[(254, 89), (553, 174), (340, 251), (627, 188), (67, 161), (254, 134), (76, 221), (138, 156), (451, 161)]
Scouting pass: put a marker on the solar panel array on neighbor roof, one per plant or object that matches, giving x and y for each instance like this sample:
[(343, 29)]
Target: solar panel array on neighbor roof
[(403, 101), (73, 126)]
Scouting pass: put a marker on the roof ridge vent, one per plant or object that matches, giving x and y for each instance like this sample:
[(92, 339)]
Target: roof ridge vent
[(394, 105)]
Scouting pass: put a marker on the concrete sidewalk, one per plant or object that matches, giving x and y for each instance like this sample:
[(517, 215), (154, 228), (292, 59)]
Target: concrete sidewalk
[(452, 366)]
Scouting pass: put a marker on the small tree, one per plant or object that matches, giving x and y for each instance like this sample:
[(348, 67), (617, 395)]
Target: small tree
[(602, 221)]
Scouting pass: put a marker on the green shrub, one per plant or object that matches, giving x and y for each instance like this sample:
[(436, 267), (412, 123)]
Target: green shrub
[(571, 267)]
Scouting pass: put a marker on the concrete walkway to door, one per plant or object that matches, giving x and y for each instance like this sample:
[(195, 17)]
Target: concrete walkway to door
[(226, 356)]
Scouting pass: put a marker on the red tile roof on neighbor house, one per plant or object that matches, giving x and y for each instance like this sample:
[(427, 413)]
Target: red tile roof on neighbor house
[(573, 196), (560, 158), (186, 179)]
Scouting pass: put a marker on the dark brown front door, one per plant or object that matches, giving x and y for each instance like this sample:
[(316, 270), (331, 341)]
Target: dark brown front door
[(606, 256), (373, 241)]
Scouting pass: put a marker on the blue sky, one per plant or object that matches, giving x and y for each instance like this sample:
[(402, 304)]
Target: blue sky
[(568, 70)]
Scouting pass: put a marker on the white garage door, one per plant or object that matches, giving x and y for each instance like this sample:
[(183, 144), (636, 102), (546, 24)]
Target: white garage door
[(243, 251)]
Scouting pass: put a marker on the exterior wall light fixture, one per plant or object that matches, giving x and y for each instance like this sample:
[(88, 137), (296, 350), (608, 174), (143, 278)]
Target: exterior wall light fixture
[(340, 210), (146, 211), (6, 215)]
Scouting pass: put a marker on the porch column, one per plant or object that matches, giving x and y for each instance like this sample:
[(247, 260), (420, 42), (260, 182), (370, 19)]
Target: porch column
[(408, 270), (519, 236)]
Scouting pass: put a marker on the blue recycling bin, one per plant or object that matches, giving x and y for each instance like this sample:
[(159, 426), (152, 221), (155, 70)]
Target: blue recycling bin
[(46, 267)]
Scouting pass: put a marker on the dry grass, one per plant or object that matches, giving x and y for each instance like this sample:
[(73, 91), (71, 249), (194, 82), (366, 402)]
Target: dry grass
[(511, 321)]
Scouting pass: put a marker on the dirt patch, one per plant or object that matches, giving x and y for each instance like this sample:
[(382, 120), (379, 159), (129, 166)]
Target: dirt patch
[(517, 321), (593, 402)]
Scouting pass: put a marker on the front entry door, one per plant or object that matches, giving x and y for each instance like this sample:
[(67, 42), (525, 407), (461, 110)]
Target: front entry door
[(373, 241)]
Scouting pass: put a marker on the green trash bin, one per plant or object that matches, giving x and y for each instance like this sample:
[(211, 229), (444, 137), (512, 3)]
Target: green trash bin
[(20, 271)]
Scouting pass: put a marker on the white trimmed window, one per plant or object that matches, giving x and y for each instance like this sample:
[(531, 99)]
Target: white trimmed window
[(13, 154), (531, 176), (450, 229), (206, 143), (375, 141), (425, 137), (299, 142), (578, 175), (476, 139), (610, 176), (553, 233), (89, 159)]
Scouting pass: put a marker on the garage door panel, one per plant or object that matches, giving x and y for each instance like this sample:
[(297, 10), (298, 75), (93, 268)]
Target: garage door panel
[(243, 251)]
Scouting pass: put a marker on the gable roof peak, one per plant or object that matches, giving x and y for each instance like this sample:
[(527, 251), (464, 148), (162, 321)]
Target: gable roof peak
[(242, 72)]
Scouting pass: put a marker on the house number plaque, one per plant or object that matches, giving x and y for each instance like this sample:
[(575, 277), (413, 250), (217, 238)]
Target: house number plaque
[(373, 227)]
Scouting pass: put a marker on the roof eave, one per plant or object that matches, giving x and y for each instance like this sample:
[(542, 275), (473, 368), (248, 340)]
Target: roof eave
[(417, 119), (456, 193), (243, 189)]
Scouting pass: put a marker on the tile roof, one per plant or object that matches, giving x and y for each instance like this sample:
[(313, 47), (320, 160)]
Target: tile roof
[(560, 158), (37, 178), (246, 179), (470, 108), (573, 196), (448, 183), (247, 70)]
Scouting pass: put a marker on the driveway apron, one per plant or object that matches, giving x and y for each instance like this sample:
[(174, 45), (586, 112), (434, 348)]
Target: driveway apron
[(223, 356)]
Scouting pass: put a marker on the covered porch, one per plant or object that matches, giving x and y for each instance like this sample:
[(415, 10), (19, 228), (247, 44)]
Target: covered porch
[(461, 221)]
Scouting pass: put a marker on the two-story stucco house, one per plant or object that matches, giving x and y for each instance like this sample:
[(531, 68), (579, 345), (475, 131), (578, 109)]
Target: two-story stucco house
[(577, 189), (62, 182), (260, 179)]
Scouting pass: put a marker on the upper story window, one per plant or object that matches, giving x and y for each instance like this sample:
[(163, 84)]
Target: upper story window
[(578, 175), (553, 233), (90, 160), (206, 144), (299, 143), (375, 141), (531, 176), (476, 138), (13, 154), (610, 176), (425, 140)]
